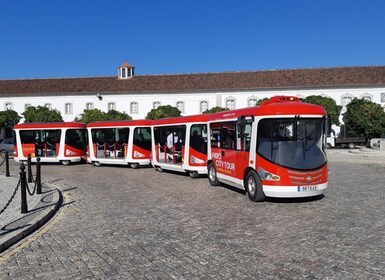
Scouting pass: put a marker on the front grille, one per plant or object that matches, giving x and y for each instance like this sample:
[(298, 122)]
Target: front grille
[(305, 177)]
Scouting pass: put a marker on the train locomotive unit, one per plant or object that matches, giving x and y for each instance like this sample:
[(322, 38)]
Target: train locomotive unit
[(273, 150)]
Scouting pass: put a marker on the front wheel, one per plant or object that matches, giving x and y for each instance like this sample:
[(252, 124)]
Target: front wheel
[(254, 187), (212, 172)]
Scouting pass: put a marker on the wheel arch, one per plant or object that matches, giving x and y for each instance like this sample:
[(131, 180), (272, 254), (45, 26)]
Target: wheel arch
[(247, 170)]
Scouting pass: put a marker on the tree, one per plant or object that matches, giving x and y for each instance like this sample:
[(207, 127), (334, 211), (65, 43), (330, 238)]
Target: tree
[(165, 111), (365, 118), (215, 110), (329, 104), (113, 115), (9, 118), (95, 115), (41, 114)]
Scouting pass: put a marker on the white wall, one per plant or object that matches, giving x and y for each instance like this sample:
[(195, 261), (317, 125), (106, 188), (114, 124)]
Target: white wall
[(191, 100)]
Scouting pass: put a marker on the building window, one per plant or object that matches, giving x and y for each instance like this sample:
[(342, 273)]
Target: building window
[(155, 104), (346, 99), (366, 96), (230, 103), (204, 106), (180, 106), (134, 107), (252, 101), (124, 72), (26, 106), (48, 105), (68, 108), (8, 106), (89, 106), (111, 106)]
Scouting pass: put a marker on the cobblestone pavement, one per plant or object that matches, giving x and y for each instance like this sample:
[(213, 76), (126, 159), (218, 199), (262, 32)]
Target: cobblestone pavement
[(122, 223)]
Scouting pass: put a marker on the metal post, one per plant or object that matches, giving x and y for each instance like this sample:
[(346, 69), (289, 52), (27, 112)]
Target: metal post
[(29, 169), (38, 176), (23, 189), (7, 164)]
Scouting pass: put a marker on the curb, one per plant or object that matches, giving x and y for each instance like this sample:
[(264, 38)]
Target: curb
[(49, 211)]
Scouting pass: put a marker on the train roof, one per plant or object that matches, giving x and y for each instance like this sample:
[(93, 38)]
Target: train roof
[(277, 105), (120, 123), (50, 125), (181, 120)]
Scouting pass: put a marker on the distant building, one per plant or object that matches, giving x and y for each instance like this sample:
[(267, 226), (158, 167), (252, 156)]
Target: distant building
[(190, 93)]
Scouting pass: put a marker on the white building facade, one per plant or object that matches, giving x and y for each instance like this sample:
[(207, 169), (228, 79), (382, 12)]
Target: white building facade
[(190, 93)]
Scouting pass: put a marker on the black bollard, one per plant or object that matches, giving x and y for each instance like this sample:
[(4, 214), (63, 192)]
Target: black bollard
[(7, 164), (23, 189), (38, 176), (29, 169)]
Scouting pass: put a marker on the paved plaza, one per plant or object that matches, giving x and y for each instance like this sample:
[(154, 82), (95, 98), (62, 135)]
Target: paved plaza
[(123, 223)]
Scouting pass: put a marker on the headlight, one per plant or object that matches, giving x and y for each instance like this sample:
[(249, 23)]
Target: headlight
[(265, 175)]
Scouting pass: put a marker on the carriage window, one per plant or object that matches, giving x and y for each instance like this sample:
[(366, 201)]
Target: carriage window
[(110, 142), (229, 135), (76, 138), (142, 138), (179, 132), (198, 138), (223, 135)]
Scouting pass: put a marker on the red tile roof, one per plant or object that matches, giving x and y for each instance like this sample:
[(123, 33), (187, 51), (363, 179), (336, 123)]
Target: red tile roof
[(246, 80)]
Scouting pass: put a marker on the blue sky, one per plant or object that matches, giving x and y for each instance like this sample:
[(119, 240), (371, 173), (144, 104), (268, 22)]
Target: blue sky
[(85, 38)]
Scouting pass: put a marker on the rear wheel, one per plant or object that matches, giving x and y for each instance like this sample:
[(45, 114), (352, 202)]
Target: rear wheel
[(254, 187), (212, 172), (193, 174), (135, 165), (351, 146)]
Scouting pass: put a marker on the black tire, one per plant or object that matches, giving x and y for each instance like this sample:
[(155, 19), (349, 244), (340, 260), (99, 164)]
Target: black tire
[(212, 174), (135, 165), (193, 174), (253, 185)]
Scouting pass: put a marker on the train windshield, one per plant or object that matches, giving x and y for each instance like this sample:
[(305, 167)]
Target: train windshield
[(296, 143)]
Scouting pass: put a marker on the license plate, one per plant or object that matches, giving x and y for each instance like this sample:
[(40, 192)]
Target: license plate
[(307, 188)]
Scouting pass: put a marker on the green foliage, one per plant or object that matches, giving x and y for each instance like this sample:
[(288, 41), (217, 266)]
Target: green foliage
[(329, 104), (259, 102), (165, 111), (41, 114), (215, 110), (9, 118), (365, 118), (95, 115), (114, 115)]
